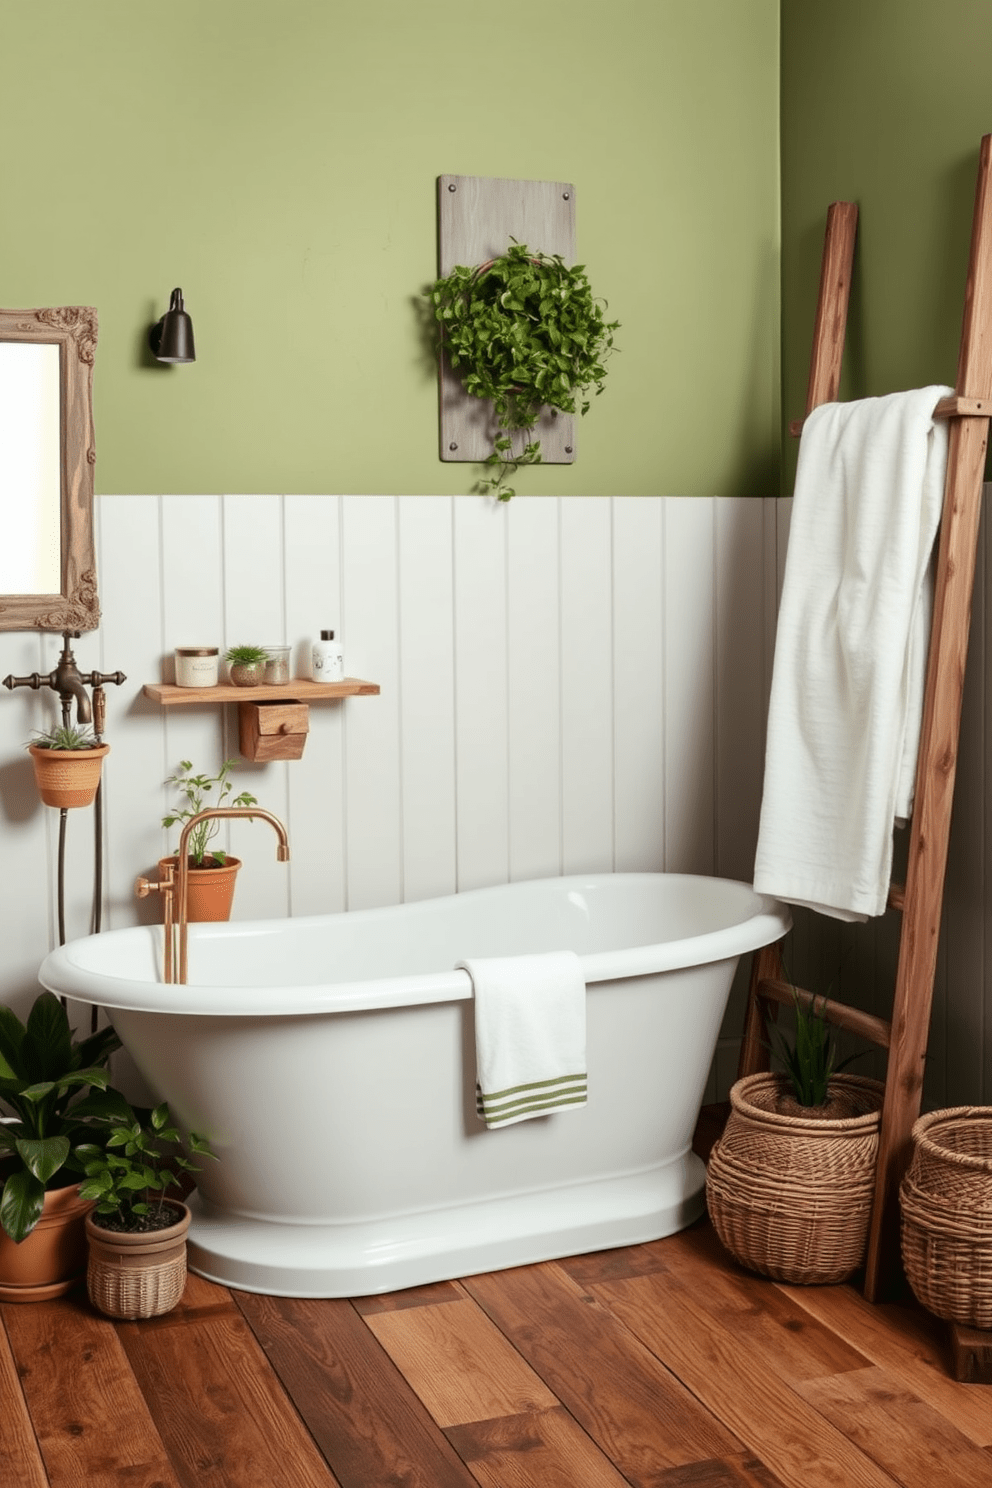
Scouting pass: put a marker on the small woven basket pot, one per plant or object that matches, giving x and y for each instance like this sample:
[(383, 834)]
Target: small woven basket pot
[(68, 777), (946, 1204), (137, 1275), (790, 1196)]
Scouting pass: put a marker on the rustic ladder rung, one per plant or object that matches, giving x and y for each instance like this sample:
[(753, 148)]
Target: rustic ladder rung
[(955, 407), (840, 1014), (897, 896), (952, 407)]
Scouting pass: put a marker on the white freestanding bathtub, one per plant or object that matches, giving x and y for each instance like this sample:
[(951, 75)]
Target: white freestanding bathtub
[(331, 1062)]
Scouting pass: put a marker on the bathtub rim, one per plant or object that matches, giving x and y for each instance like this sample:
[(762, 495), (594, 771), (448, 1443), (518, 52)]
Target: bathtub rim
[(62, 972)]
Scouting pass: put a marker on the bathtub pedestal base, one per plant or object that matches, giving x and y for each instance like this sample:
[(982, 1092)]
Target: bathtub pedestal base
[(367, 1257)]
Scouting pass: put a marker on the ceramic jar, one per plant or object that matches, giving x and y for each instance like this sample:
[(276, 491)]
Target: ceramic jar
[(196, 666), (247, 673)]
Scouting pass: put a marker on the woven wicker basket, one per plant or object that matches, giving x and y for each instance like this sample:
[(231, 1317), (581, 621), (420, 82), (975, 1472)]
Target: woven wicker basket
[(791, 1196), (946, 1202), (137, 1275)]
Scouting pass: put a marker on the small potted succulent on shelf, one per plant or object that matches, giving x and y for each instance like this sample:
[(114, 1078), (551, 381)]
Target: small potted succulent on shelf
[(67, 764), (212, 871), (56, 1086), (790, 1183), (137, 1235), (247, 664)]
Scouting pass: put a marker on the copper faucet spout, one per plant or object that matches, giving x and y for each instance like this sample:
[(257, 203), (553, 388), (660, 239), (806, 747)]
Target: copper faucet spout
[(181, 888), (282, 851)]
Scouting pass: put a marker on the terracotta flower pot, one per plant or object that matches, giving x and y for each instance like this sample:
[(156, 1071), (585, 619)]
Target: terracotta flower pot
[(137, 1275), (210, 891), (68, 777), (53, 1257)]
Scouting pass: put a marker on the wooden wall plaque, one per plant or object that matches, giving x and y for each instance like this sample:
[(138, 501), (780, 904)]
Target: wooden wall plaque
[(477, 218)]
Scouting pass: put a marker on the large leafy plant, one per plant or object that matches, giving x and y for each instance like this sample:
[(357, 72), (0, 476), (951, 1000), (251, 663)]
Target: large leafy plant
[(43, 1072), (525, 331)]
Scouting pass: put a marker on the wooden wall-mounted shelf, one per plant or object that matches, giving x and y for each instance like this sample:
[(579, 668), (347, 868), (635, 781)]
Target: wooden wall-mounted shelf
[(273, 721), (301, 689)]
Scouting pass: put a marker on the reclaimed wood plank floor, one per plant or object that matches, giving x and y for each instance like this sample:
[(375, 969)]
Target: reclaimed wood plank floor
[(656, 1366)]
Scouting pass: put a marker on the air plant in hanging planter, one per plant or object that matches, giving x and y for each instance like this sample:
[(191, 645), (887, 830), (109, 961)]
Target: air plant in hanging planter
[(67, 765), (526, 332)]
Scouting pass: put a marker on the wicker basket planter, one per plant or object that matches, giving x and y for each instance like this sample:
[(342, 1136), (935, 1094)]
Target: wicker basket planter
[(946, 1203), (137, 1274), (790, 1196)]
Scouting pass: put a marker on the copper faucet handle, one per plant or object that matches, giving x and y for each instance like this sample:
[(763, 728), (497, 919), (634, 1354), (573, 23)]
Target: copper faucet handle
[(145, 886)]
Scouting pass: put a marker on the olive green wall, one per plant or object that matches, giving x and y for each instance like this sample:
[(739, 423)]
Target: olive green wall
[(278, 161), (884, 104)]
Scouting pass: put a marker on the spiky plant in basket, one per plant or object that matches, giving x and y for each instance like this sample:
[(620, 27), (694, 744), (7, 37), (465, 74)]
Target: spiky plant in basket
[(810, 1060)]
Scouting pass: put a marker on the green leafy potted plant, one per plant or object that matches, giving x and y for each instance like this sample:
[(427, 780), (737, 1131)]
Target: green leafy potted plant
[(137, 1235), (790, 1183), (247, 664), (67, 765), (525, 331), (212, 872), (56, 1087)]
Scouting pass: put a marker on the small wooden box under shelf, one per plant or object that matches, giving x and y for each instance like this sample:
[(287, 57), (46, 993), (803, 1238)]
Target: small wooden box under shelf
[(260, 738)]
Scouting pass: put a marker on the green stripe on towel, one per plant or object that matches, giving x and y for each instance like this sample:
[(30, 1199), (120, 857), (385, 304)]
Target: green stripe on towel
[(537, 1098), (536, 1085)]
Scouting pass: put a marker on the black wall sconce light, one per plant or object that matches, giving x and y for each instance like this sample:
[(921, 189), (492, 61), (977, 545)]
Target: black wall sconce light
[(171, 338)]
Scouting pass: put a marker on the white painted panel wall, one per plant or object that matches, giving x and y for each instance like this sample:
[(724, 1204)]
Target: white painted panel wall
[(534, 643), (689, 683), (426, 651), (480, 682), (639, 786), (567, 684), (315, 783)]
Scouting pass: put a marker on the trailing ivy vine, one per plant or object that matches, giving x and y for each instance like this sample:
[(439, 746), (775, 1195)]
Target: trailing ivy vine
[(525, 331)]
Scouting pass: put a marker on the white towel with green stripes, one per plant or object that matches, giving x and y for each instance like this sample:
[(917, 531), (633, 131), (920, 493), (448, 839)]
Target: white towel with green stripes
[(530, 1035)]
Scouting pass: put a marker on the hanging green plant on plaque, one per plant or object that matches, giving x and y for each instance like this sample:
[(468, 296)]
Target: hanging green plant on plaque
[(526, 332)]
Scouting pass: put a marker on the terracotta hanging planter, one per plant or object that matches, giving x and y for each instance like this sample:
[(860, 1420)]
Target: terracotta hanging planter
[(52, 1258), (137, 1274), (68, 777), (210, 891)]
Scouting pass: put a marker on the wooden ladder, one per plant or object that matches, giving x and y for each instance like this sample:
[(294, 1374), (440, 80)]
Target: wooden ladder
[(905, 1034)]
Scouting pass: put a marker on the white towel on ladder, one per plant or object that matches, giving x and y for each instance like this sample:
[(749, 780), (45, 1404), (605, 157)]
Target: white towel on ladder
[(850, 651), (530, 1035)]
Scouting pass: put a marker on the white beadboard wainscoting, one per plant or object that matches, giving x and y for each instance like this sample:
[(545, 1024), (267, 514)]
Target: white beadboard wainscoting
[(568, 685)]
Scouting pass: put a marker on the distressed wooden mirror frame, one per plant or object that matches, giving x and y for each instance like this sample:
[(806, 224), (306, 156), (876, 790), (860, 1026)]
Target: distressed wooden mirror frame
[(73, 328)]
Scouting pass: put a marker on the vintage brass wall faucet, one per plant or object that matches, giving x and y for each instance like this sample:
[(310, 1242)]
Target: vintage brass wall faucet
[(174, 886)]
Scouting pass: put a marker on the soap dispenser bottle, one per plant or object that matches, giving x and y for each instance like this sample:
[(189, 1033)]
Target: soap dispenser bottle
[(327, 659)]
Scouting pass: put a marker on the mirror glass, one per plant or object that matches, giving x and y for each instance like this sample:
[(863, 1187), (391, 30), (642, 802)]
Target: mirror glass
[(31, 489), (47, 558)]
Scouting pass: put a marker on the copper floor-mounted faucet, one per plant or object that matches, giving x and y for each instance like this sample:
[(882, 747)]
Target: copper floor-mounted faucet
[(174, 886)]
